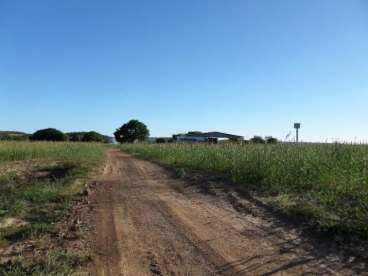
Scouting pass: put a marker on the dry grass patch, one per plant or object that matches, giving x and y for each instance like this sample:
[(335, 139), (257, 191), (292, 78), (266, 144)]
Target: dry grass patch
[(39, 184), (12, 222)]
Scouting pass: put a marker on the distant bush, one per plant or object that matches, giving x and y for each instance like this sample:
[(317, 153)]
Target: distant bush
[(271, 140), (48, 134), (160, 140), (235, 140), (75, 136), (93, 136), (13, 137), (257, 140)]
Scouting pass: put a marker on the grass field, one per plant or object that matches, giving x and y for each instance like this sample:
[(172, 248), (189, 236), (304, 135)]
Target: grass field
[(21, 151), (38, 182), (325, 185)]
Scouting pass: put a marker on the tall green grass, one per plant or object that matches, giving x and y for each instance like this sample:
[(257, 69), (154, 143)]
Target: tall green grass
[(325, 184), (18, 151)]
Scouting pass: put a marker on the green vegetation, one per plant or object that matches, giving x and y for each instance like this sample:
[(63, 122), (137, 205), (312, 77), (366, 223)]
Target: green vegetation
[(131, 132), (323, 184), (35, 196), (93, 136), (90, 136), (13, 136), (56, 263), (271, 140), (48, 134), (75, 136), (54, 135), (257, 140), (18, 151), (40, 199)]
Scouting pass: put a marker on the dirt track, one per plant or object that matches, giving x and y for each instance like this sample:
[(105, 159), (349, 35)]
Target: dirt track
[(148, 223)]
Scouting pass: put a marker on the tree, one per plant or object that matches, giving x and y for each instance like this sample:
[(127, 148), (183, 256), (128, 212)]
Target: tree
[(271, 140), (160, 140), (132, 131), (48, 134), (257, 140)]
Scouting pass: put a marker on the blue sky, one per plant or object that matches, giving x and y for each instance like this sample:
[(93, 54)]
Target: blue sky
[(240, 66)]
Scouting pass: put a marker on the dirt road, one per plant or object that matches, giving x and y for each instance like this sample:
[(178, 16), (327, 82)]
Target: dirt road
[(150, 223)]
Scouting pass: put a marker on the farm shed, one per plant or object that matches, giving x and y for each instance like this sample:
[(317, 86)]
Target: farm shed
[(214, 136)]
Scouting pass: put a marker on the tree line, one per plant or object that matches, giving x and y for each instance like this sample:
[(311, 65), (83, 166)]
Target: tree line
[(136, 131), (55, 135), (130, 132)]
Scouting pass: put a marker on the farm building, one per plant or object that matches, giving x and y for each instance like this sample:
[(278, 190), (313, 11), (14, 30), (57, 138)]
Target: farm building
[(196, 136)]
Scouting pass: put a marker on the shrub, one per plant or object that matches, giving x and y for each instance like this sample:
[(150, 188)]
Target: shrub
[(13, 136), (271, 140), (257, 140), (75, 136), (93, 136), (235, 140), (48, 134), (160, 140)]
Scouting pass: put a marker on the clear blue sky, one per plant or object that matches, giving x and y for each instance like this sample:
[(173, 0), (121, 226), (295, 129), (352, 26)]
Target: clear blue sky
[(240, 66)]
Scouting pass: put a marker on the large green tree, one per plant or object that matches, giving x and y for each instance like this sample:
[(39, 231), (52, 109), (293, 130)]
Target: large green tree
[(48, 134), (131, 132)]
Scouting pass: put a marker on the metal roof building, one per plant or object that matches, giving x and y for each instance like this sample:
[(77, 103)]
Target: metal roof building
[(196, 136)]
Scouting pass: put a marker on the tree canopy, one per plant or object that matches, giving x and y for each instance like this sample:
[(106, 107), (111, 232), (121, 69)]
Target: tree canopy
[(271, 140), (131, 132), (93, 136), (257, 140), (48, 134)]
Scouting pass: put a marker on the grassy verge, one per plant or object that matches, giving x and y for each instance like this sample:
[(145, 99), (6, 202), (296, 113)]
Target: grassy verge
[(34, 199), (56, 263), (38, 202), (324, 185)]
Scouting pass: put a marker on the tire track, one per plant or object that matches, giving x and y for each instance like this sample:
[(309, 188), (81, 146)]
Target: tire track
[(146, 226)]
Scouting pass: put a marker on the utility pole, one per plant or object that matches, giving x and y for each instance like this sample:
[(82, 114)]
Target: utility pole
[(297, 127)]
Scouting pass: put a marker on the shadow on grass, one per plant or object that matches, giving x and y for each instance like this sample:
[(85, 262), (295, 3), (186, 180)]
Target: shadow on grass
[(14, 234), (54, 173)]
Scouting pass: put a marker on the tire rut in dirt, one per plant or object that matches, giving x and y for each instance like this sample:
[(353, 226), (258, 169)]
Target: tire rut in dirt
[(147, 226)]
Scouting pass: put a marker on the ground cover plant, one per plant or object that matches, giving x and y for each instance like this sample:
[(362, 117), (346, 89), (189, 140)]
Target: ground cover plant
[(325, 185), (38, 183)]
